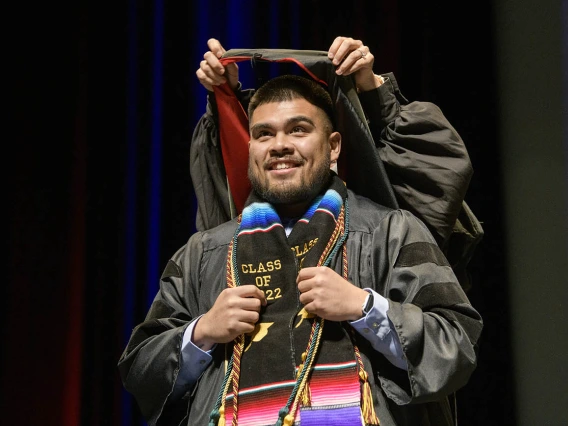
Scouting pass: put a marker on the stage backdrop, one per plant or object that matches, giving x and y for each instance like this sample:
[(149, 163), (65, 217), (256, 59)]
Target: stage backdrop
[(100, 194)]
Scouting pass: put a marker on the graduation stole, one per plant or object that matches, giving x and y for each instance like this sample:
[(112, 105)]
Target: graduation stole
[(291, 368)]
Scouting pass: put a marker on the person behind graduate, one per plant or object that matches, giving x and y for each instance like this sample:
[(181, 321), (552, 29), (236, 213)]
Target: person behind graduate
[(315, 305)]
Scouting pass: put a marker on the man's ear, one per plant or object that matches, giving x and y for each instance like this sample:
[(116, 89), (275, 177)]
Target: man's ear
[(335, 145)]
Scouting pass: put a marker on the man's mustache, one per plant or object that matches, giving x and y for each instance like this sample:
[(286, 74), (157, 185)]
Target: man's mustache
[(297, 161)]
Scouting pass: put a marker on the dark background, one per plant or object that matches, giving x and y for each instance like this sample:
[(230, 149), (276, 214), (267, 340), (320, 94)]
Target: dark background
[(105, 100)]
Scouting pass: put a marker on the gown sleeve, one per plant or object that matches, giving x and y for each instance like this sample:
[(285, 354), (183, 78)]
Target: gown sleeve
[(436, 324), (209, 179), (424, 156), (151, 361)]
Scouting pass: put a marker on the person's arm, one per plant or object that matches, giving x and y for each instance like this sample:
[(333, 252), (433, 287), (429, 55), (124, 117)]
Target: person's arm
[(376, 327), (327, 294), (193, 363), (215, 204), (424, 156), (150, 364), (212, 73), (161, 348), (435, 323), (208, 173)]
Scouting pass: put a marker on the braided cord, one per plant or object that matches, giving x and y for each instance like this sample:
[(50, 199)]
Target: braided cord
[(332, 242), (232, 281), (344, 218), (237, 354), (367, 408), (240, 340), (315, 339), (235, 281)]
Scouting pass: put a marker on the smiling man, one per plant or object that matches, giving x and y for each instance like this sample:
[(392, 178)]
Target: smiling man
[(292, 144), (314, 307)]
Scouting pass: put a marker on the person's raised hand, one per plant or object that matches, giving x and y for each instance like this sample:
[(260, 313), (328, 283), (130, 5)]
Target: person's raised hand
[(351, 56), (325, 293), (212, 73), (236, 311)]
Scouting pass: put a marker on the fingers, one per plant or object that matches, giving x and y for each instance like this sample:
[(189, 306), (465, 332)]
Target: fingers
[(215, 47), (211, 72), (358, 59), (247, 297), (309, 278), (246, 321), (327, 294), (311, 283), (236, 311), (342, 47), (350, 55), (232, 72), (243, 309)]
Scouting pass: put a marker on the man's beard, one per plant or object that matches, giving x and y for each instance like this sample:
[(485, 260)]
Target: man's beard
[(285, 193)]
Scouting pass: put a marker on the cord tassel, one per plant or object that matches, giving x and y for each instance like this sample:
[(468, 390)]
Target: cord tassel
[(306, 395), (282, 415), (288, 420), (214, 417), (221, 416), (367, 406)]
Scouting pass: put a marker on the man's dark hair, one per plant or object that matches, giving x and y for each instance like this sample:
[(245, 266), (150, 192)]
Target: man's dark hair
[(288, 87)]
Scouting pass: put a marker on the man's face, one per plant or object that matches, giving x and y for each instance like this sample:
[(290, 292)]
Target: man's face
[(290, 151)]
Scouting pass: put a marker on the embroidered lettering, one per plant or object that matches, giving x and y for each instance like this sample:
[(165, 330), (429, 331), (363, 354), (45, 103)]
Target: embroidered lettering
[(263, 281), (313, 242), (273, 294), (272, 265), (302, 250)]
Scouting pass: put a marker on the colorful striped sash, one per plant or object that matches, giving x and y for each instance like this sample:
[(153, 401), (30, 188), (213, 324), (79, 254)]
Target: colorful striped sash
[(291, 369)]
